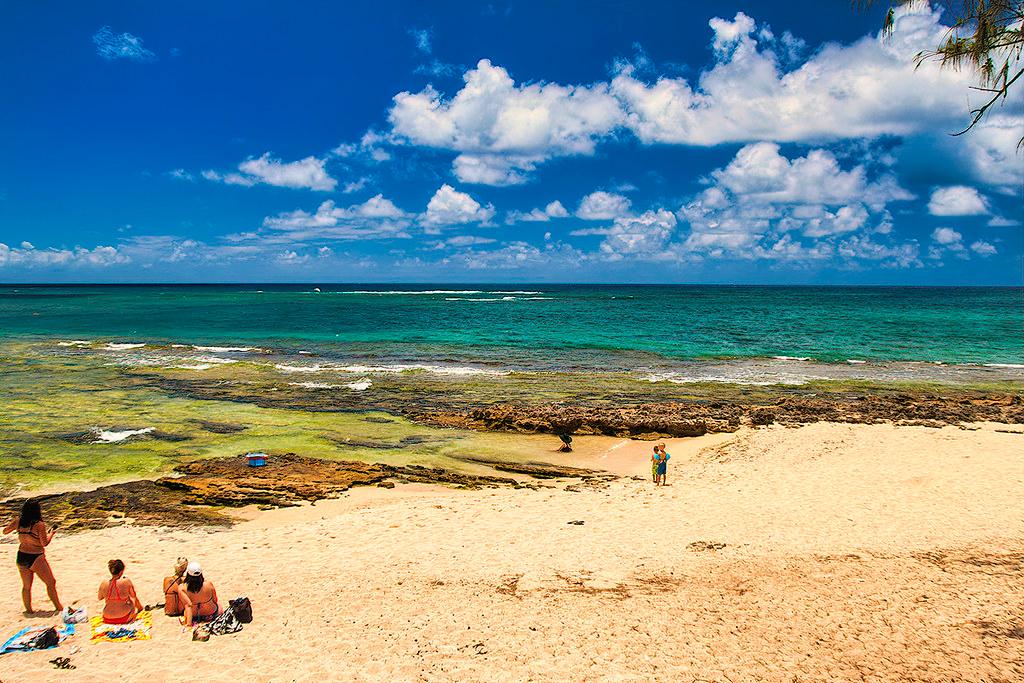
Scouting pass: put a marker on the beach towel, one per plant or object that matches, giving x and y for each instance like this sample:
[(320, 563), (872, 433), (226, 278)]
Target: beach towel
[(140, 629), (22, 640)]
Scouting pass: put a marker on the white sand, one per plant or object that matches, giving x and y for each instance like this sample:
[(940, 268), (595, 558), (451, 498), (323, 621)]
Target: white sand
[(852, 552)]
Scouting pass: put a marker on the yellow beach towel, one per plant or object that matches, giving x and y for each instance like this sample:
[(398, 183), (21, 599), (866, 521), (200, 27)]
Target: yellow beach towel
[(140, 629)]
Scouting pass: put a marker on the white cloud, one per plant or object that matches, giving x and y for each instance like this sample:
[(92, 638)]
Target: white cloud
[(448, 206), (983, 248), (376, 218), (494, 169), (866, 89), (111, 46), (29, 256), (757, 201), (308, 173), (355, 185), (857, 248), (603, 206), (759, 173), (1002, 222), (463, 241), (181, 174), (518, 256), (501, 129), (643, 235), (552, 210), (369, 148), (946, 236), (957, 200)]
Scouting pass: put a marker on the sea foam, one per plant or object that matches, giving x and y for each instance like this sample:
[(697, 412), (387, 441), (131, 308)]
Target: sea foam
[(105, 436)]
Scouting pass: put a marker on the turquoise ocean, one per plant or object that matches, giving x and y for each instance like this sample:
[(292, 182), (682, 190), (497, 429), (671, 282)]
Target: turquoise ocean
[(757, 334)]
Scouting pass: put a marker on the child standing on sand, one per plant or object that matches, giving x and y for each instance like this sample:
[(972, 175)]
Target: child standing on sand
[(663, 457), (654, 466)]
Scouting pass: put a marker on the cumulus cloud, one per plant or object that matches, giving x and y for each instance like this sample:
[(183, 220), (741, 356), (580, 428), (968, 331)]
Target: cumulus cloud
[(947, 241), (646, 234), (983, 249), (369, 148), (501, 129), (865, 89), (863, 248), (448, 206), (518, 255), (27, 255), (761, 198), (552, 210), (1002, 222), (760, 173), (957, 200), (603, 206), (111, 46), (308, 173), (946, 236), (376, 218)]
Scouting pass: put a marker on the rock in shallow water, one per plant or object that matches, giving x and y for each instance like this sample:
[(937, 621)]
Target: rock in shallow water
[(189, 499)]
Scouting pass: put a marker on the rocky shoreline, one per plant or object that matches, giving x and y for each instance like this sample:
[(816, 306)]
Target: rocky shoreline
[(199, 491), (696, 418), (656, 411)]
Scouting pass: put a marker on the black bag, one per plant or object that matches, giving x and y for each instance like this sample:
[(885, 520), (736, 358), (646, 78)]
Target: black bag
[(242, 609), (46, 639)]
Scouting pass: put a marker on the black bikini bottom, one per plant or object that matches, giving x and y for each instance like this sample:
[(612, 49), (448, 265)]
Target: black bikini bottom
[(26, 560)]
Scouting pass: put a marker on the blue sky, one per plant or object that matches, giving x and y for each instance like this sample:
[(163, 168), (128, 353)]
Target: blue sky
[(754, 142)]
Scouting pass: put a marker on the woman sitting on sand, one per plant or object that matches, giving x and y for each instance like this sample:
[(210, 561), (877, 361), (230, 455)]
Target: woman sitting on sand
[(121, 604), (198, 596), (31, 559), (173, 606)]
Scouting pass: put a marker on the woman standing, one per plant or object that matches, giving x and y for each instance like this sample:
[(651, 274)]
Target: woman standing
[(33, 538)]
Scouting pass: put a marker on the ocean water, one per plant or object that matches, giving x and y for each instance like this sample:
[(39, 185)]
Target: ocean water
[(662, 333), (103, 384)]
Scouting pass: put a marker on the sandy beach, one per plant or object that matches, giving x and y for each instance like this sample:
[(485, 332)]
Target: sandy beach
[(844, 552)]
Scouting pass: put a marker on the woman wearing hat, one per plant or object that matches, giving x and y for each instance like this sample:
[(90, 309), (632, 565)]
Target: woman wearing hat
[(172, 601), (198, 596)]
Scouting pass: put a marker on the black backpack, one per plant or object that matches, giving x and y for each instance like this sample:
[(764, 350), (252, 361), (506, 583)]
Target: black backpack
[(242, 609)]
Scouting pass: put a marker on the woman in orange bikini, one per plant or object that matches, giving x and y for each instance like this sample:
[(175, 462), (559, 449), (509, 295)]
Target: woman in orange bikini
[(33, 538), (121, 605)]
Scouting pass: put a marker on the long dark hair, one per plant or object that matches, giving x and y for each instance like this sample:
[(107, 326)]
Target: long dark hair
[(193, 583), (30, 514)]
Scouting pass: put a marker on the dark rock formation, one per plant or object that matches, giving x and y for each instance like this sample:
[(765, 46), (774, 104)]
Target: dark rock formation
[(696, 418), (220, 427), (541, 470), (192, 497), (144, 503)]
